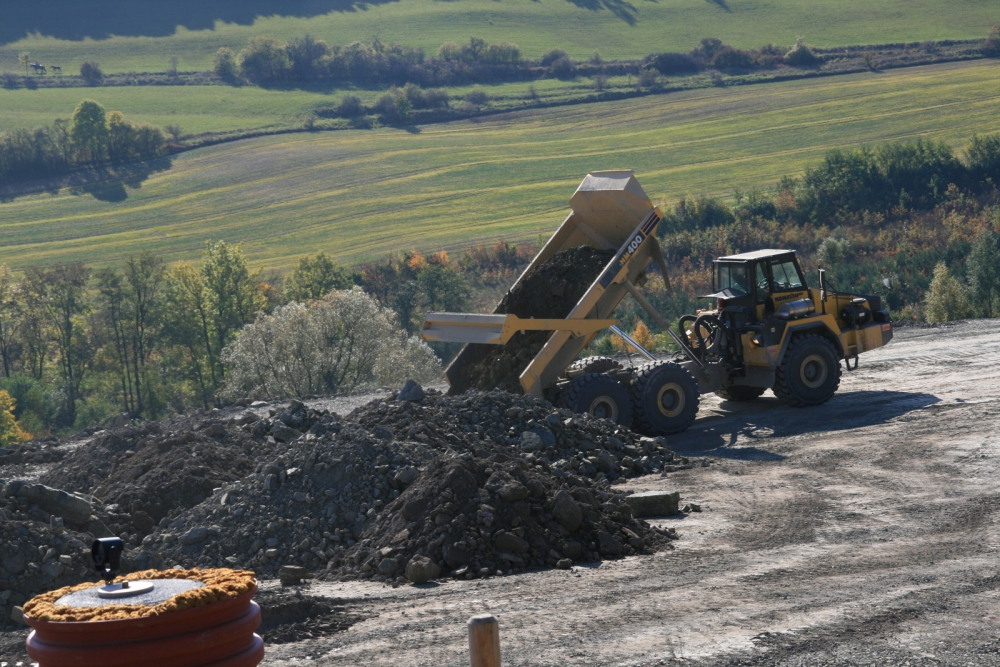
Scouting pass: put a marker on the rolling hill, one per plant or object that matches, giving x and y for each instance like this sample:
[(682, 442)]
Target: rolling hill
[(359, 194), (127, 36)]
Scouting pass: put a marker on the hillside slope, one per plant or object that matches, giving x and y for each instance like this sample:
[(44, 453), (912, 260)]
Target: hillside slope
[(125, 39), (360, 194)]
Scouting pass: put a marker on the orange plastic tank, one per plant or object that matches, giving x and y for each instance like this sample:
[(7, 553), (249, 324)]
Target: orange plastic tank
[(220, 634)]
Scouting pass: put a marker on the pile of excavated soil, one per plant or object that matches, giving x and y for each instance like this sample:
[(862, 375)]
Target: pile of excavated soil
[(476, 484), (155, 468), (551, 290)]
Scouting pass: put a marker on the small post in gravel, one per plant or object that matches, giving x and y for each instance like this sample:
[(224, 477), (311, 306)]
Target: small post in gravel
[(484, 641)]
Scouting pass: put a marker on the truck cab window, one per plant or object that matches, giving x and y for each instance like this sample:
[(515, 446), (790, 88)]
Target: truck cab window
[(786, 275), (763, 287), (733, 277)]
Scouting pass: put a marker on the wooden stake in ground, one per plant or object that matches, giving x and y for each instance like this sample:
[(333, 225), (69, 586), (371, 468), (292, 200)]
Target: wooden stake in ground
[(484, 641)]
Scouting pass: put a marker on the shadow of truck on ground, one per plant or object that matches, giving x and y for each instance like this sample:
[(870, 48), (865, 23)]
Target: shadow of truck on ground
[(725, 432)]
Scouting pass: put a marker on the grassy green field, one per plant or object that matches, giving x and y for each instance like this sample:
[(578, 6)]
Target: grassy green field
[(123, 39), (359, 194), (200, 109)]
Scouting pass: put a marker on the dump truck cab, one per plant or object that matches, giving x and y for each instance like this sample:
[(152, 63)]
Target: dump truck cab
[(755, 282), (770, 330)]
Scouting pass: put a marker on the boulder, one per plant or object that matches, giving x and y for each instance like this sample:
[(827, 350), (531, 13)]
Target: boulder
[(654, 503), (510, 542), (57, 502), (284, 433), (387, 567), (411, 391), (195, 535), (415, 508), (406, 475), (97, 528), (422, 569), (566, 511), (142, 521), (530, 441), (607, 544)]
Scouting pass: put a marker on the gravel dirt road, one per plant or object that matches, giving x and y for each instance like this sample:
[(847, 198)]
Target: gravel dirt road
[(859, 532)]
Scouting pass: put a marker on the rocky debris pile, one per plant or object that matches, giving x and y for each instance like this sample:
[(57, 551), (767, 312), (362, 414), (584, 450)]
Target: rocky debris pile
[(143, 473), (38, 550), (39, 450), (566, 442), (474, 518), (474, 485), (550, 290)]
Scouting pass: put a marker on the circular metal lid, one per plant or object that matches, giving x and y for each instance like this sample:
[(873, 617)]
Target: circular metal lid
[(147, 592)]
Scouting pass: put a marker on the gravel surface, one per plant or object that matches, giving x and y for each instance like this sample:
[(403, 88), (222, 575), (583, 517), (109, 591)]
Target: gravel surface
[(862, 532)]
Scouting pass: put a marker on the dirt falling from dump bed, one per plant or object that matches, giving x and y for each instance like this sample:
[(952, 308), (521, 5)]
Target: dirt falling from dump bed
[(551, 290)]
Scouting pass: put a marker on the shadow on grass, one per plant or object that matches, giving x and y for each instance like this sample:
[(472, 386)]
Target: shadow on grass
[(625, 11), (721, 4), (108, 183), (730, 434), (100, 19)]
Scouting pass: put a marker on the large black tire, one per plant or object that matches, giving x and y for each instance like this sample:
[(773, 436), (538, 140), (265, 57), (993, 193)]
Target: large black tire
[(665, 398), (739, 393), (589, 365), (598, 395), (810, 372)]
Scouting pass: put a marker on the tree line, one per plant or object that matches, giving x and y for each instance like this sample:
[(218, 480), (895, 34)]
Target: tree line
[(79, 344), (268, 61), (92, 137)]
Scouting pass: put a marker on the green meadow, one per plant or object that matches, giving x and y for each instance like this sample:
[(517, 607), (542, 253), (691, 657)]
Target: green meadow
[(360, 194), (123, 39)]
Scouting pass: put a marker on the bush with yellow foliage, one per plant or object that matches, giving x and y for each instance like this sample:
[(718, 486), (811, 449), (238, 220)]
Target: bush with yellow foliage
[(10, 432)]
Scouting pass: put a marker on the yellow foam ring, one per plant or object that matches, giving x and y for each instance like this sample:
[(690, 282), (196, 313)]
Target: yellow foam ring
[(220, 584)]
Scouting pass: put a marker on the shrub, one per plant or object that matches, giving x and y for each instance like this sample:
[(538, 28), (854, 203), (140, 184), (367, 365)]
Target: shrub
[(596, 58), (343, 342), (671, 64), (991, 45), (34, 406), (563, 68), (946, 299), (552, 56), (647, 78), (265, 60), (600, 81), (392, 107), (350, 106), (316, 276), (983, 155), (91, 72), (693, 213), (833, 250), (801, 55), (436, 98), (174, 131), (10, 431), (708, 47), (476, 97), (730, 58), (224, 64)]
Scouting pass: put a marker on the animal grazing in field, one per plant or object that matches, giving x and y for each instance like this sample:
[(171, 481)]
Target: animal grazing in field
[(56, 68)]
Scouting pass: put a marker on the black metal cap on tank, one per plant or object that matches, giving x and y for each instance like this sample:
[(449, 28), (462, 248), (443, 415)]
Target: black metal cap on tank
[(107, 555)]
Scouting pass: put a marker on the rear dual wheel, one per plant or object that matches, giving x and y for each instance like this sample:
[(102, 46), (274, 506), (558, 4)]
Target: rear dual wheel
[(665, 398), (598, 395)]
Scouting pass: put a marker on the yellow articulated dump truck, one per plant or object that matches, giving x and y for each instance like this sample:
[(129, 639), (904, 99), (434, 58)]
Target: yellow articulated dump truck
[(764, 328)]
